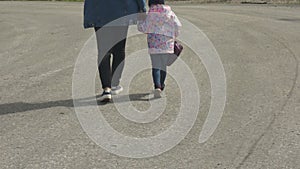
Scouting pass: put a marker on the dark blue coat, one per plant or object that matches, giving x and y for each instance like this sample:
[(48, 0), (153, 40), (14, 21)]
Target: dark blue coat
[(97, 13)]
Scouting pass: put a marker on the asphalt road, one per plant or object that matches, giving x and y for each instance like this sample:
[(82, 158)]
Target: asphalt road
[(260, 128)]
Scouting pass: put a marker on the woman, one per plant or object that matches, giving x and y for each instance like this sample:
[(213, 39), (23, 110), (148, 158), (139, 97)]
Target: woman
[(98, 13)]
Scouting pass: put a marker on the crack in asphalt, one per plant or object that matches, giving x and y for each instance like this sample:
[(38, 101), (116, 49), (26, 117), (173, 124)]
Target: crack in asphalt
[(275, 115)]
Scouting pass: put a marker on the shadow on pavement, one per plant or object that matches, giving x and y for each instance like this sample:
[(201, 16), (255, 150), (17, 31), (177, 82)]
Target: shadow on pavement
[(17, 107)]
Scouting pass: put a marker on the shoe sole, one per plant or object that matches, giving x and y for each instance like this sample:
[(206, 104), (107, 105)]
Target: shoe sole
[(157, 94), (106, 99)]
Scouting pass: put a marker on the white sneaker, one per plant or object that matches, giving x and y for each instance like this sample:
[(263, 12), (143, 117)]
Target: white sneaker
[(116, 89), (157, 93), (106, 96)]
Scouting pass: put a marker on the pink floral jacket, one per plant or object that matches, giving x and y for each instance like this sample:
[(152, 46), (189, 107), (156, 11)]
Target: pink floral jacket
[(161, 25)]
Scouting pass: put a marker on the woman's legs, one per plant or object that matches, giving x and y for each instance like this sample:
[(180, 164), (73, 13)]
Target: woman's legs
[(105, 71), (108, 39), (118, 63), (103, 58)]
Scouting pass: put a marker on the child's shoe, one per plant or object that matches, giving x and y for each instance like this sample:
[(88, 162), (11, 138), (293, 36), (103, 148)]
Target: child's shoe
[(157, 93)]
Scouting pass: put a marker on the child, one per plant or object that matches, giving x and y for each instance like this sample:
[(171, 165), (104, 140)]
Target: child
[(161, 26)]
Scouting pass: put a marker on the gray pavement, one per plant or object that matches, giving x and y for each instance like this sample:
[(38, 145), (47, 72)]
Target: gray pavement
[(260, 128)]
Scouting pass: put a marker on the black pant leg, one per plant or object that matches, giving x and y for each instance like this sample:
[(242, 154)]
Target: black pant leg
[(111, 40), (104, 56), (118, 52)]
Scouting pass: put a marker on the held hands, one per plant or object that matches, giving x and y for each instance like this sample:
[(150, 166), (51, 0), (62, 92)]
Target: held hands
[(141, 16)]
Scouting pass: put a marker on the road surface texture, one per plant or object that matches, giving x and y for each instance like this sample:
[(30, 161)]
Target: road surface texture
[(260, 50)]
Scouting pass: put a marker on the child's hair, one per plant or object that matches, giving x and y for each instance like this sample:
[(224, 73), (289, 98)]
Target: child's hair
[(155, 2)]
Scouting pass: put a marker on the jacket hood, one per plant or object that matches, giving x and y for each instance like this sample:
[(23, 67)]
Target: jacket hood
[(161, 9)]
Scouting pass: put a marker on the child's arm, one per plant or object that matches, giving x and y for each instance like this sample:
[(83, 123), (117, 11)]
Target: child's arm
[(177, 24), (142, 24), (147, 24)]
